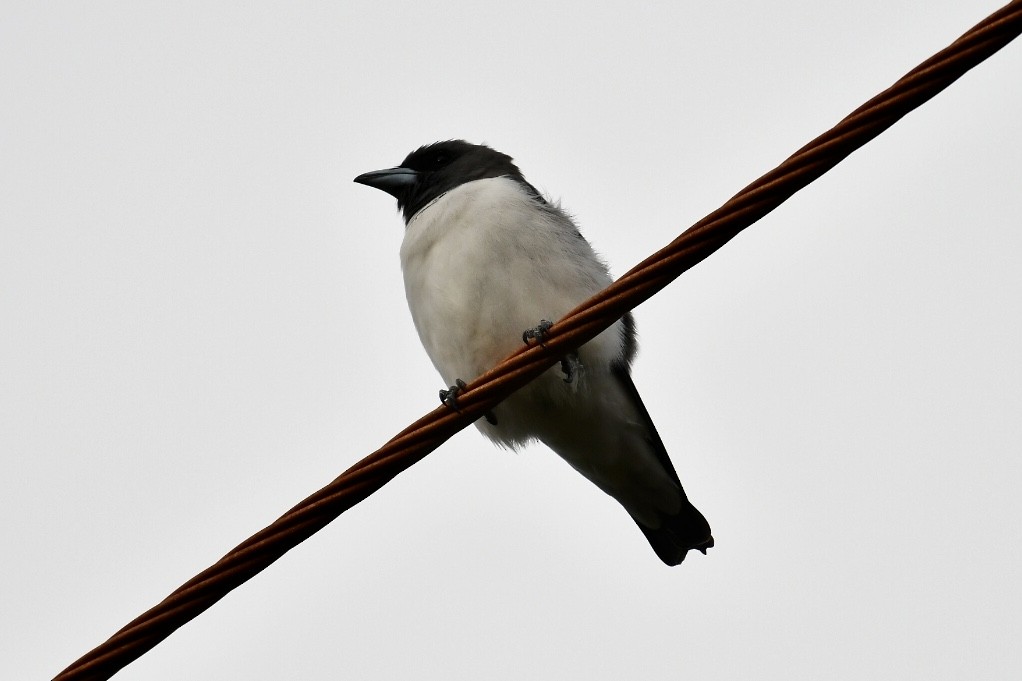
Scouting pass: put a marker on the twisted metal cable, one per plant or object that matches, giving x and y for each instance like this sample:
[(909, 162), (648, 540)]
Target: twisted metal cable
[(579, 326)]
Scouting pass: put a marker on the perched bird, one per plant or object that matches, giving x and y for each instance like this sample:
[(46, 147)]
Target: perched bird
[(485, 258)]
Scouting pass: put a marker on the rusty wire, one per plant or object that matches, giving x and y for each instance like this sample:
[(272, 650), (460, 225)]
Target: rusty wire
[(582, 324)]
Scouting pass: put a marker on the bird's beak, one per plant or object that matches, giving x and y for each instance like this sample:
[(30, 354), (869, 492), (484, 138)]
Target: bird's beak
[(394, 181)]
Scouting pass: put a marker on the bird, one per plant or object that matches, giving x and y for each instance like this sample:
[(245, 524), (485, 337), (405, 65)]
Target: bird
[(487, 261)]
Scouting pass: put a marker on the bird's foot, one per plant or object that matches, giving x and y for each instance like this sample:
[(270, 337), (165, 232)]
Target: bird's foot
[(537, 333), (570, 364), (449, 397)]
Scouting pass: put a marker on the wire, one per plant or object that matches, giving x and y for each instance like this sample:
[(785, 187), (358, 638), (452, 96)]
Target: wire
[(579, 326)]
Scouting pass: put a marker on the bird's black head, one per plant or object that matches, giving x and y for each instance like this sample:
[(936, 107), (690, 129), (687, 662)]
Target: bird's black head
[(436, 168)]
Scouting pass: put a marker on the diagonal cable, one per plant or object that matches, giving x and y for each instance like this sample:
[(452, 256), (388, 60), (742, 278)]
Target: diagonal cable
[(579, 326)]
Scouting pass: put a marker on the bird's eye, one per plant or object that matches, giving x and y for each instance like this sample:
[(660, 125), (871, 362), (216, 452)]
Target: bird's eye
[(440, 160)]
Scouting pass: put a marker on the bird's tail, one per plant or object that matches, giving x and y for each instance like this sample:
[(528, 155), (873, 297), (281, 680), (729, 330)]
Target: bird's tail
[(680, 532)]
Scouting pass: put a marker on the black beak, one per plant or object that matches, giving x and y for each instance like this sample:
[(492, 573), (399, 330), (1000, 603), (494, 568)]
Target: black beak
[(394, 181)]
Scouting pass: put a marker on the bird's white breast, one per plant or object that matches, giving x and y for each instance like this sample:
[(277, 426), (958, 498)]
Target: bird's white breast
[(486, 261)]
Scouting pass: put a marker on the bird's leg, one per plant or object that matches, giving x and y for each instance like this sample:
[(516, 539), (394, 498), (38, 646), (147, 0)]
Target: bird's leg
[(449, 397), (537, 333), (571, 366)]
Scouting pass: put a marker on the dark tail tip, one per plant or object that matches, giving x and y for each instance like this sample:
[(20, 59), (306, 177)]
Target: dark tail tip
[(678, 534)]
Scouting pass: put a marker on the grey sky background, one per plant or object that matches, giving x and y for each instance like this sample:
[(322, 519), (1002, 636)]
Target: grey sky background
[(202, 321)]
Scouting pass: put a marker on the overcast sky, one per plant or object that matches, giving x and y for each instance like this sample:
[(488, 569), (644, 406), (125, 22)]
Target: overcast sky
[(202, 321)]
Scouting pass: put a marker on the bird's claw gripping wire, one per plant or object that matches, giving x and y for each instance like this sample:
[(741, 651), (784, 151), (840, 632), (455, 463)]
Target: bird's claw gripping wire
[(570, 364), (537, 333), (449, 397)]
